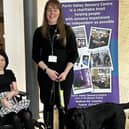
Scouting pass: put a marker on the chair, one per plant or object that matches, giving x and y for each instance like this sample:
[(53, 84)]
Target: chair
[(4, 125)]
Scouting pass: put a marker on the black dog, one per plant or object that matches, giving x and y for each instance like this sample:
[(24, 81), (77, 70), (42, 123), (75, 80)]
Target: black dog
[(101, 116)]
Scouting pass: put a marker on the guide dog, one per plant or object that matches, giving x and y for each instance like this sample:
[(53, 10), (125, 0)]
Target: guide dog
[(100, 116)]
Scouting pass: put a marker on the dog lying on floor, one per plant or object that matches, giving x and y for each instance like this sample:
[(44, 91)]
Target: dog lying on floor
[(101, 116)]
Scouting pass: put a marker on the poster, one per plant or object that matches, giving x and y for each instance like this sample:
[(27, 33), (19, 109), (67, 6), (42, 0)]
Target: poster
[(95, 24)]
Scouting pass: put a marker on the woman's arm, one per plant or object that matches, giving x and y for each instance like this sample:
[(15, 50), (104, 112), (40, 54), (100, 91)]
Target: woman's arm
[(71, 46), (64, 74), (72, 50), (53, 75), (36, 48), (5, 103), (14, 88), (14, 91)]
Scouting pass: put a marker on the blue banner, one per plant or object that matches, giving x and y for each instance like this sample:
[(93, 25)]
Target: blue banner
[(95, 24)]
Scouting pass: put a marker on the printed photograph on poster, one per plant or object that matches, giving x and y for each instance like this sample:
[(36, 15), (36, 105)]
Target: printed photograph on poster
[(81, 38), (81, 42), (101, 80), (83, 60), (82, 81), (99, 37), (101, 57)]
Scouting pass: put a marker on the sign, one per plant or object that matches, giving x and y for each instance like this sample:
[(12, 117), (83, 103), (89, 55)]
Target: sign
[(95, 24)]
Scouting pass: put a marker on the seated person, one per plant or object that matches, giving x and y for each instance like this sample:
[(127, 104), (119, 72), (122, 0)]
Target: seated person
[(11, 113)]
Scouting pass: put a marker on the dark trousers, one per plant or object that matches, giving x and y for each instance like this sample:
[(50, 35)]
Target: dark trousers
[(17, 120), (48, 117), (52, 98)]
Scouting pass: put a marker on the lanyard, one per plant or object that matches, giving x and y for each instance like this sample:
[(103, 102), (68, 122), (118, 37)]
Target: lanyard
[(52, 39)]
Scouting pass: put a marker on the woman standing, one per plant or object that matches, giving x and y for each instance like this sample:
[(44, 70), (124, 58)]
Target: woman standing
[(55, 52)]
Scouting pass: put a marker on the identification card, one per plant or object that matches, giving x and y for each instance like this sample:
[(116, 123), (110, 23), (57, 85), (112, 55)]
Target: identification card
[(52, 58)]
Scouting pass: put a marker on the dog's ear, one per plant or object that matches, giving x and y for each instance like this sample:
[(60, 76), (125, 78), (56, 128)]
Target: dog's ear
[(70, 118), (75, 119), (79, 115), (69, 113)]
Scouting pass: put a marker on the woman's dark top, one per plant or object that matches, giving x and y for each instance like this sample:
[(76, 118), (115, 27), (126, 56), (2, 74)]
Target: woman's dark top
[(42, 49), (5, 80)]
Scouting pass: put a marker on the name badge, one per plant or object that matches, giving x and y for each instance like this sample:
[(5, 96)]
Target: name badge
[(52, 58)]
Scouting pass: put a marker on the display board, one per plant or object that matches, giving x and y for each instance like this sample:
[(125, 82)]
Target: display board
[(95, 24)]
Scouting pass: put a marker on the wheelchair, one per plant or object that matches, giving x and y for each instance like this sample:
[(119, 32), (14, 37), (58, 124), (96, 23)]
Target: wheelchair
[(37, 124)]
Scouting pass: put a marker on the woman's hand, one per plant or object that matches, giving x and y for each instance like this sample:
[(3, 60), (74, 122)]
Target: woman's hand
[(5, 103), (53, 75), (10, 95), (62, 76)]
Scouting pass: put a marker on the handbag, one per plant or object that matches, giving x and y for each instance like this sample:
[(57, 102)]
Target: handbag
[(16, 106)]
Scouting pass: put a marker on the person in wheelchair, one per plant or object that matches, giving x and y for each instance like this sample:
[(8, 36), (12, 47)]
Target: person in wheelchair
[(11, 111)]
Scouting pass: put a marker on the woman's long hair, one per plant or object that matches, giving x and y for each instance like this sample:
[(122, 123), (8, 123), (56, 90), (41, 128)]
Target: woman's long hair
[(60, 22)]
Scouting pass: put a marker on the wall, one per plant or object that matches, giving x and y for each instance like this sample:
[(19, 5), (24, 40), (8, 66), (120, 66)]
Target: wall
[(124, 50), (14, 38), (41, 4)]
